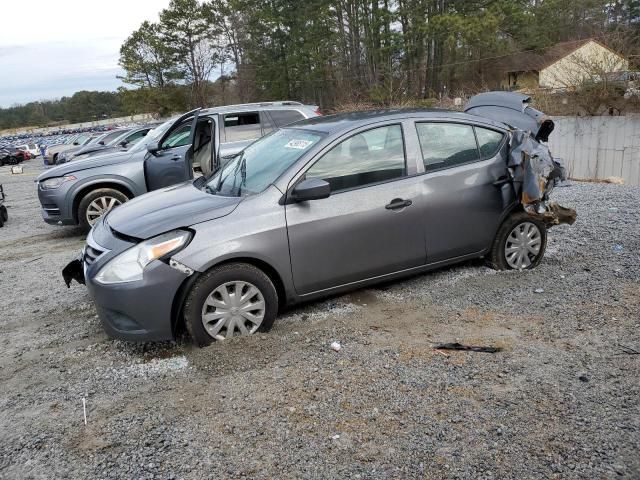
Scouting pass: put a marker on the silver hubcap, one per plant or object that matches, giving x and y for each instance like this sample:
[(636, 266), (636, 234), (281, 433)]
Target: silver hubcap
[(99, 207), (233, 307), (523, 245)]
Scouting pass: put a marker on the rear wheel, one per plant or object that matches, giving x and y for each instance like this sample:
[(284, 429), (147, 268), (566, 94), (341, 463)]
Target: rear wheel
[(519, 244), (97, 203), (230, 300), (4, 214)]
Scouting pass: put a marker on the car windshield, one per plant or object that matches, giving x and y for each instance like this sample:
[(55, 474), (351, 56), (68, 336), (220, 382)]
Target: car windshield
[(154, 135), (261, 163), (110, 138)]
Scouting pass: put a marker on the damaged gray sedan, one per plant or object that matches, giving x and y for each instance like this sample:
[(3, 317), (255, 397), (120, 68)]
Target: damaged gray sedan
[(326, 205)]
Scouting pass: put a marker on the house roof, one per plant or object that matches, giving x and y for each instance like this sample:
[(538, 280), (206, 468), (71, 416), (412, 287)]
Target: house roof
[(536, 61)]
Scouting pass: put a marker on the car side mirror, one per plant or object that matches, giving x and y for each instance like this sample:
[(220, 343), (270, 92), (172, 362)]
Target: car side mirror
[(101, 142), (311, 189), (124, 143), (153, 148), (76, 143)]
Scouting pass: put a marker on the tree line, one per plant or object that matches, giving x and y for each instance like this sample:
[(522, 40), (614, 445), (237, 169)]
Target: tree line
[(82, 106), (332, 52)]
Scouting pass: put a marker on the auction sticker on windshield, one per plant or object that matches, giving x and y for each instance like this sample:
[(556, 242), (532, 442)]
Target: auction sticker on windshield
[(298, 144)]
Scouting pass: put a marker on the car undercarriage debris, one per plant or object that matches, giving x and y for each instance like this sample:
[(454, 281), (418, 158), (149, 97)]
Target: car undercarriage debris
[(534, 171), (556, 214)]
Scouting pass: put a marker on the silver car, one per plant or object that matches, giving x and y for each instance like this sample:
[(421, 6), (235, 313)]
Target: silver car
[(327, 205), (80, 192)]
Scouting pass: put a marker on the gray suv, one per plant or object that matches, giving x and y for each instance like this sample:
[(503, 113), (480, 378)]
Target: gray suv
[(326, 205), (80, 192)]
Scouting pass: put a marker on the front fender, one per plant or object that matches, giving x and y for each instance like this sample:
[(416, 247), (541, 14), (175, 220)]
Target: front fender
[(103, 181)]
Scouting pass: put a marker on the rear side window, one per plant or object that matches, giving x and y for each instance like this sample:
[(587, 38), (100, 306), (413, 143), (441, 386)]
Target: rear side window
[(489, 141), (370, 157), (285, 117), (242, 126), (267, 124), (446, 145)]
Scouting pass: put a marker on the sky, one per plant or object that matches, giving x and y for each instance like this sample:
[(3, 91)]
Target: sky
[(53, 48)]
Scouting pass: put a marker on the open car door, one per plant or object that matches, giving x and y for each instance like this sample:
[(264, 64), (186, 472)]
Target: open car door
[(207, 145), (170, 160)]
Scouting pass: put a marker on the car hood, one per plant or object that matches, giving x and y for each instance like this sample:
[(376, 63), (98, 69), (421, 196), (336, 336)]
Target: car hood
[(60, 148), (89, 149), (84, 164), (173, 207), (105, 151)]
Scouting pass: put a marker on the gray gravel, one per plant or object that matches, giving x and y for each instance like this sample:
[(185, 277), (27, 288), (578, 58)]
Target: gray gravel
[(560, 401)]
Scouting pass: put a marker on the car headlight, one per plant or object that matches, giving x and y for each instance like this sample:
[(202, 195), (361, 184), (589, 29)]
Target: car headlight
[(55, 182), (129, 265)]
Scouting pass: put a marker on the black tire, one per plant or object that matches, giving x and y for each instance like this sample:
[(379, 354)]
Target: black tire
[(54, 160), (90, 197), (497, 257), (4, 214), (217, 277)]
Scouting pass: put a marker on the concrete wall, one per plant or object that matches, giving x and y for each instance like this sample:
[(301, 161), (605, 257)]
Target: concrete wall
[(590, 60), (599, 147)]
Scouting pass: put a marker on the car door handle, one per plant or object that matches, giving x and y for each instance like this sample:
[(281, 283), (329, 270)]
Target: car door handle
[(502, 180), (175, 158), (398, 203)]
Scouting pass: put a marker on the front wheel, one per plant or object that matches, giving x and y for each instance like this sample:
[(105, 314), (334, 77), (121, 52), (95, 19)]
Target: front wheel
[(97, 203), (519, 244), (231, 300)]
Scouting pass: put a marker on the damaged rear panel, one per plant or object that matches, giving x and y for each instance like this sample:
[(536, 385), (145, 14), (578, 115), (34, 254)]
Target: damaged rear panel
[(534, 172)]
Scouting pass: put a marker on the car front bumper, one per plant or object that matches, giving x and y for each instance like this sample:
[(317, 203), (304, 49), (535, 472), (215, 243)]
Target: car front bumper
[(139, 311), (55, 208)]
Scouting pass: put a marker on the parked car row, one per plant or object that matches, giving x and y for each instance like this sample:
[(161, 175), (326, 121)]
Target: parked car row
[(55, 142), (313, 208), (13, 155)]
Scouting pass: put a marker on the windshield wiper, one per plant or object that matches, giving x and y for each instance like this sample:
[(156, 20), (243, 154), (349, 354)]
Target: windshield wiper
[(232, 169), (243, 175)]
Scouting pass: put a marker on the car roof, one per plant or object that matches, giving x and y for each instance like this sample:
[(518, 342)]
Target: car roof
[(345, 121), (249, 107)]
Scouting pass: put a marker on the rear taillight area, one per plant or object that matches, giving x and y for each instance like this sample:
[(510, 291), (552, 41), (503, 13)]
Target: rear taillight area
[(318, 111)]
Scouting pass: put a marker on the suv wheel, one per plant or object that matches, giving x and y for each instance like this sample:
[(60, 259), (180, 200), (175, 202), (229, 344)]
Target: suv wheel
[(230, 300), (97, 203), (519, 244)]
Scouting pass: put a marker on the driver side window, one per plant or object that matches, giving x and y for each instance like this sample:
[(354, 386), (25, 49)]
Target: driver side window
[(369, 157), (178, 138)]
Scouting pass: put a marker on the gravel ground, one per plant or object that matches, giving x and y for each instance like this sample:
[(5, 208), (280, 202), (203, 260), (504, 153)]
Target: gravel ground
[(562, 400)]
